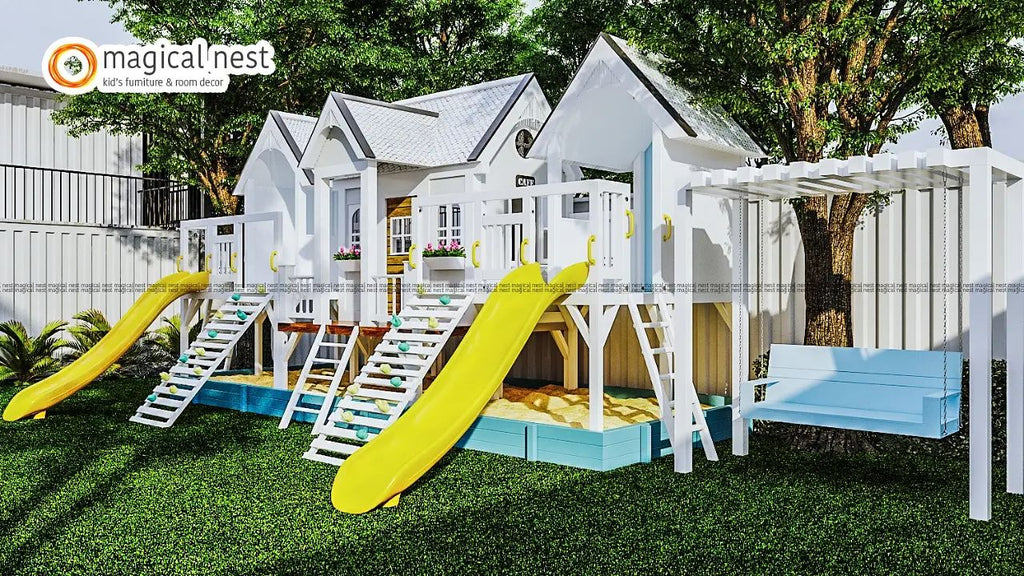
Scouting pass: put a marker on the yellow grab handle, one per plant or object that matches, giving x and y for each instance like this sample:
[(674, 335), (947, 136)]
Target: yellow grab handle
[(209, 257), (177, 264), (631, 227), (472, 254), (668, 228), (590, 250), (273, 256), (231, 262), (522, 251), (412, 263)]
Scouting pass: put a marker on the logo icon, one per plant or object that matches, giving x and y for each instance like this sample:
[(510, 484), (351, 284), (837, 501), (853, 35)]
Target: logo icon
[(70, 65)]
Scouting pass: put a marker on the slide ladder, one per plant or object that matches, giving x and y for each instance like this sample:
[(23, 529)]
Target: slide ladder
[(660, 362), (187, 377), (306, 397), (392, 377)]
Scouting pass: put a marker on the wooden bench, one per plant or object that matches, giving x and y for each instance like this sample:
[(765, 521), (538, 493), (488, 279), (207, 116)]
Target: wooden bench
[(888, 391)]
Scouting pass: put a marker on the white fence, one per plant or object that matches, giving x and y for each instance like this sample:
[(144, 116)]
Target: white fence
[(897, 254), (51, 271)]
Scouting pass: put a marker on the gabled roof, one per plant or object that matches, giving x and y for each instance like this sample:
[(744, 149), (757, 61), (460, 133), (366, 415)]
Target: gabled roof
[(296, 130), (619, 88), (293, 130), (711, 124), (451, 127)]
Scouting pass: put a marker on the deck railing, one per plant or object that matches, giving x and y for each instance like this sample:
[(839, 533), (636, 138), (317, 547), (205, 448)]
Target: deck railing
[(220, 246), (505, 228), (78, 197)]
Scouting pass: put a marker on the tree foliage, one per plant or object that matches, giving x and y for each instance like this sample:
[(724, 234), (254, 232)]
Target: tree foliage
[(26, 359), (145, 357), (383, 49)]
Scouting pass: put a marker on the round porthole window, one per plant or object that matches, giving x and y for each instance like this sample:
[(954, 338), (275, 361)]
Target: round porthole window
[(524, 139)]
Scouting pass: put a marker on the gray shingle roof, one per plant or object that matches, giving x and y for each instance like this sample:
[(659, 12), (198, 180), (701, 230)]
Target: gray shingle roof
[(434, 130), (295, 127), (712, 124)]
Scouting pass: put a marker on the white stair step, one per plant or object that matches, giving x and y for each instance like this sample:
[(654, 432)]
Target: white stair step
[(221, 327), (403, 336), (356, 404), (182, 391), (374, 368), (330, 446), (375, 423), (654, 324), (327, 377), (441, 314), (661, 350), (164, 401), (347, 433), (150, 411), (328, 361), (306, 410), (364, 392), (407, 361), (333, 344), (139, 419), (312, 454), (406, 382), (417, 350)]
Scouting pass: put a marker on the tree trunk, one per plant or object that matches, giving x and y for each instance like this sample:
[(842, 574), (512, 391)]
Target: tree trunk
[(966, 124)]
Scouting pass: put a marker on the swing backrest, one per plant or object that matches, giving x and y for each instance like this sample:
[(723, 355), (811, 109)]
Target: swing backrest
[(861, 378)]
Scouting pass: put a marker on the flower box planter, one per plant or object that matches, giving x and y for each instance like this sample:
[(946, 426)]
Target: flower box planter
[(343, 266), (445, 262)]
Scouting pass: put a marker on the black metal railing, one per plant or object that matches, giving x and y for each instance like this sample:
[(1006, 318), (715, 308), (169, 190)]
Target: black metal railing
[(79, 197)]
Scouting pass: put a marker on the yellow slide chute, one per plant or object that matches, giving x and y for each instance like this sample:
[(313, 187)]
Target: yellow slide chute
[(51, 391), (378, 472)]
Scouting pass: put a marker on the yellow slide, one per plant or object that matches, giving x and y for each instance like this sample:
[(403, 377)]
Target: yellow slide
[(378, 472), (49, 392)]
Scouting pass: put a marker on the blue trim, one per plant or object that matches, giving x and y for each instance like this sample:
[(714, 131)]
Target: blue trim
[(532, 441), (647, 226)]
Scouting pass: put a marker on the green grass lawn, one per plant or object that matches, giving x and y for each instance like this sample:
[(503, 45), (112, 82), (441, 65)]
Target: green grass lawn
[(87, 492)]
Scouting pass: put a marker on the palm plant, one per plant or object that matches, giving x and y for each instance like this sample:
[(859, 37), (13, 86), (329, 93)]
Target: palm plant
[(168, 335), (146, 357), (27, 359)]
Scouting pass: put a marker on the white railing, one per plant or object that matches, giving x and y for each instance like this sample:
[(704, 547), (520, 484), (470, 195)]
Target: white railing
[(220, 246), (387, 291), (505, 228)]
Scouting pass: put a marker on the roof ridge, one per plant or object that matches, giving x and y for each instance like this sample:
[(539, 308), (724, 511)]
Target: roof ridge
[(461, 89), (383, 104)]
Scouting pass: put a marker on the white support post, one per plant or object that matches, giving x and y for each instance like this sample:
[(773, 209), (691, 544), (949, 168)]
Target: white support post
[(185, 316), (596, 328), (682, 424), (740, 344), (257, 353), (371, 244), (322, 248), (1014, 215), (979, 274), (279, 351)]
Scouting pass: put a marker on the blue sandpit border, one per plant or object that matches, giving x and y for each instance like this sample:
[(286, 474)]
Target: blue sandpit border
[(607, 450)]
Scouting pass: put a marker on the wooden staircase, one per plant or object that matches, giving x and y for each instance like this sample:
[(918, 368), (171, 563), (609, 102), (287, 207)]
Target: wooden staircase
[(659, 357), (306, 397), (392, 377), (186, 378)]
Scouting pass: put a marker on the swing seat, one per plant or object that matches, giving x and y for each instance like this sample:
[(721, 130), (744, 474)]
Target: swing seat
[(887, 391)]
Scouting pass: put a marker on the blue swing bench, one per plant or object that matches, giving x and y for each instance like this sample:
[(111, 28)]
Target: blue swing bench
[(888, 391)]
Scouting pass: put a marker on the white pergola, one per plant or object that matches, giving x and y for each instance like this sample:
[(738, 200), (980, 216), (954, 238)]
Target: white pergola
[(979, 172)]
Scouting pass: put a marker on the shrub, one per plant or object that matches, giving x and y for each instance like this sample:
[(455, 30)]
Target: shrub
[(26, 359), (146, 357), (168, 335)]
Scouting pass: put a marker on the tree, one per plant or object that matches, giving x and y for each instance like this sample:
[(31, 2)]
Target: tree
[(383, 49), (26, 359), (564, 31), (969, 72)]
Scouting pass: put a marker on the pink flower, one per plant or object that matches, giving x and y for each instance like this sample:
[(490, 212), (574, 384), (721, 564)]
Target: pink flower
[(430, 246)]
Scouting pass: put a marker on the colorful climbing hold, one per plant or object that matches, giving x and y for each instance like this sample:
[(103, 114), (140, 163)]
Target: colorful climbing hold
[(403, 346), (432, 323), (445, 299), (385, 368), (396, 381), (165, 376), (198, 370), (200, 351), (420, 289), (383, 406), (362, 433), (211, 333), (395, 320), (218, 315), (236, 297), (151, 397), (173, 389), (183, 358), (352, 389), (241, 315), (261, 289), (347, 416)]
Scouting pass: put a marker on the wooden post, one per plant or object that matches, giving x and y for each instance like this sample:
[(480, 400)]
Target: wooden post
[(682, 429), (571, 362), (1014, 239), (740, 343), (979, 278)]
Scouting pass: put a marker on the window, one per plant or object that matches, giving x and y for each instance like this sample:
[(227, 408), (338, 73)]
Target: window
[(449, 224), (401, 234), (353, 234)]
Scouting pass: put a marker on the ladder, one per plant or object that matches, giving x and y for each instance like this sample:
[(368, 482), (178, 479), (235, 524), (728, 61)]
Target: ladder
[(392, 377), (304, 396), (186, 378), (660, 362)]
